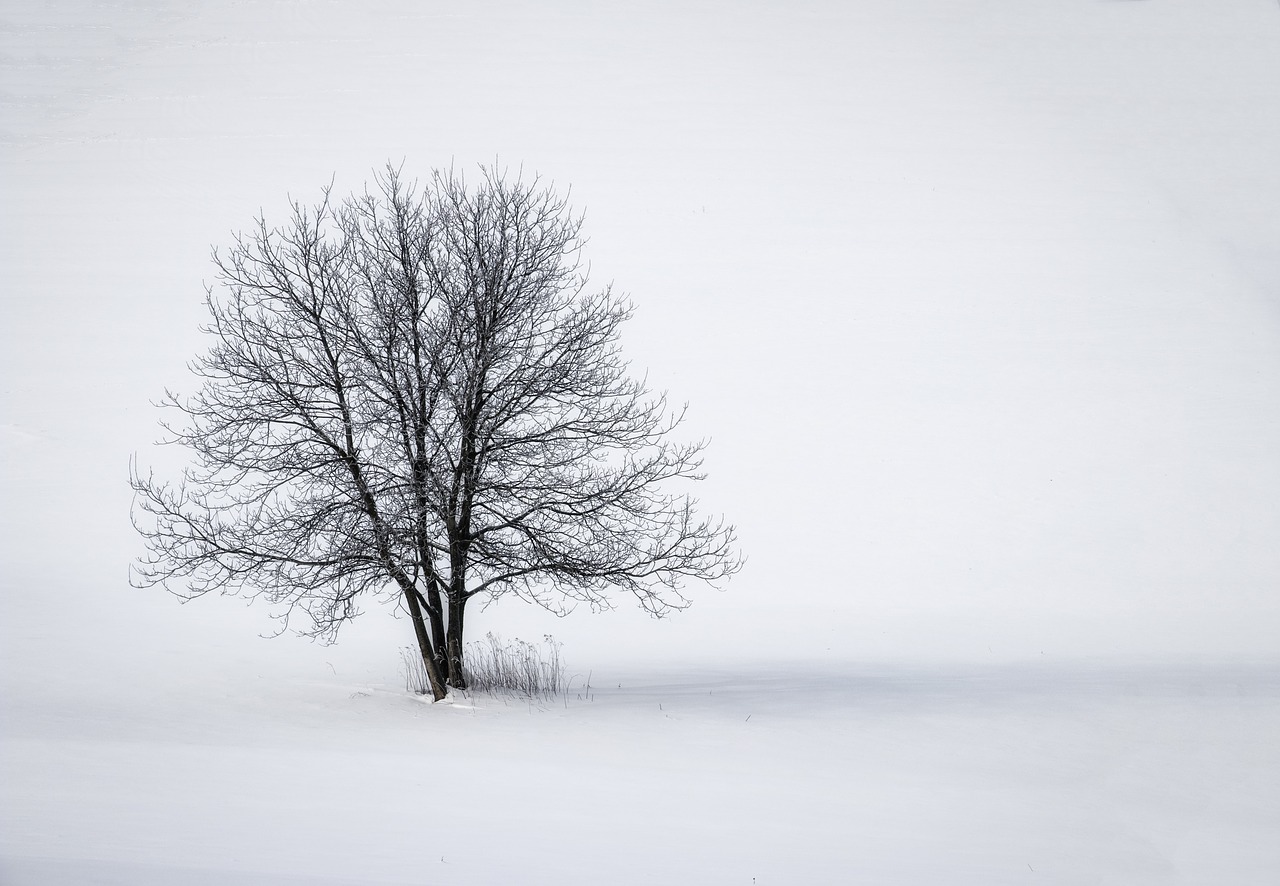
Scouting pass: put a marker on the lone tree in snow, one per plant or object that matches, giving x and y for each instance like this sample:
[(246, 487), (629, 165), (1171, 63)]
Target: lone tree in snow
[(413, 394)]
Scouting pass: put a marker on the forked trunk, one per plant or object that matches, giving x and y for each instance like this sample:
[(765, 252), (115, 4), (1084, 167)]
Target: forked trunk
[(457, 678), (438, 688), (436, 612)]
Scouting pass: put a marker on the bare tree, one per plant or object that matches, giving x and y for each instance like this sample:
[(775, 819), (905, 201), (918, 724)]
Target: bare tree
[(414, 395)]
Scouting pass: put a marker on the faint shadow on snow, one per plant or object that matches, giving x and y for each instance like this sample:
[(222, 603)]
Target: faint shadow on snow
[(114, 872), (805, 691)]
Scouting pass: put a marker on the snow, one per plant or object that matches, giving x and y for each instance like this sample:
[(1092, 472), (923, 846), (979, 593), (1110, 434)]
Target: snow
[(1067, 774), (977, 302)]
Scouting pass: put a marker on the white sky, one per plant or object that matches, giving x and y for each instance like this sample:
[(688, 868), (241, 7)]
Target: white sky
[(979, 300)]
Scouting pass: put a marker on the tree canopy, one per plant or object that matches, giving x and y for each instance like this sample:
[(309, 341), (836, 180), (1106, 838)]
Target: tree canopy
[(413, 393)]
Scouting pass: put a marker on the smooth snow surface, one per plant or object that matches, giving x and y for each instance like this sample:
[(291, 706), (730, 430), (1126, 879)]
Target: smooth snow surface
[(977, 300), (843, 775)]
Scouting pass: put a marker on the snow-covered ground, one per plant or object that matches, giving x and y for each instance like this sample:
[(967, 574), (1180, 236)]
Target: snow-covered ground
[(799, 774), (977, 300)]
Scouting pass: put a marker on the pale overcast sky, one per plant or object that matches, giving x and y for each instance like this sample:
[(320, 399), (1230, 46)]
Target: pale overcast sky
[(978, 301)]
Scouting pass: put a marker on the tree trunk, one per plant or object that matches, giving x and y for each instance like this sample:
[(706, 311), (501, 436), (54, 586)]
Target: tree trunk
[(438, 688), (457, 678), (436, 612)]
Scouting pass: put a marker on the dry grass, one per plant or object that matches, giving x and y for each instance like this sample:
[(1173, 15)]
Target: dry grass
[(518, 667), (415, 672), (492, 665)]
